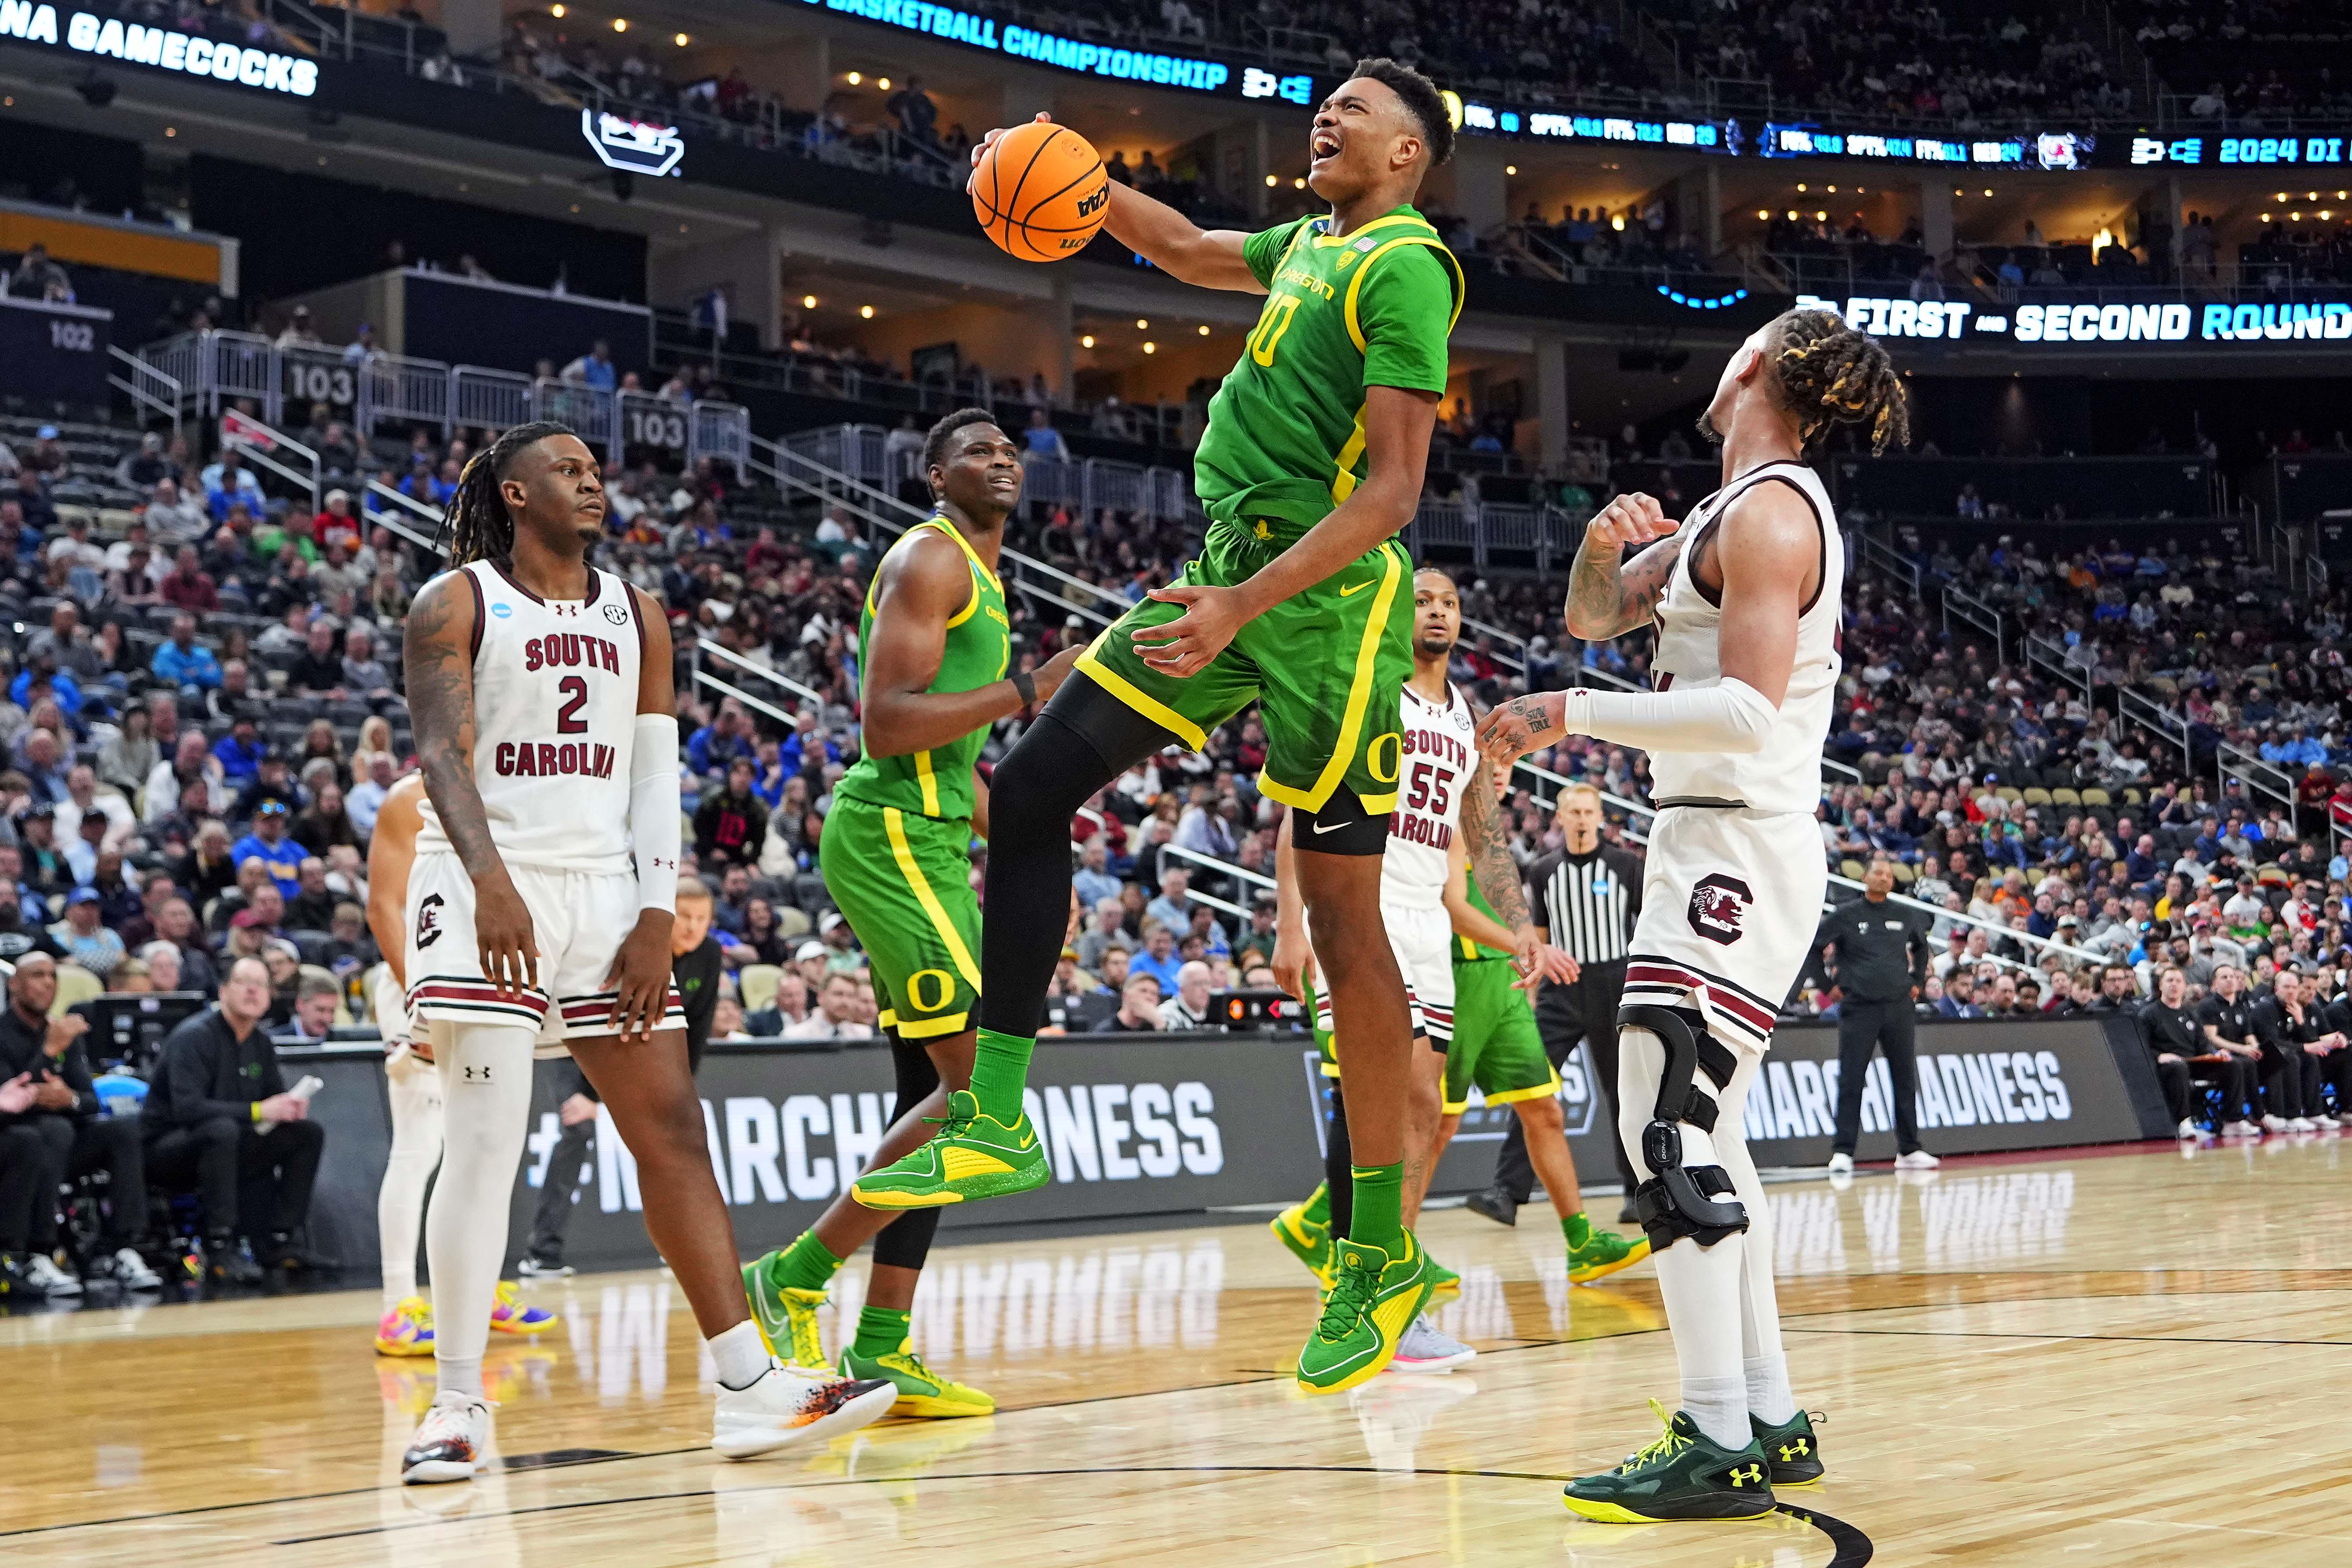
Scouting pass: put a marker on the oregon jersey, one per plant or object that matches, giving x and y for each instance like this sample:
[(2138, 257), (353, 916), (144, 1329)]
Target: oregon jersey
[(979, 649), (1285, 442), (1464, 950)]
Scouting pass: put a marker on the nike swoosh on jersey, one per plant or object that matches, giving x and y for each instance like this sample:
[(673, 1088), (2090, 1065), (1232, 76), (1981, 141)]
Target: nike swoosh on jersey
[(1353, 588)]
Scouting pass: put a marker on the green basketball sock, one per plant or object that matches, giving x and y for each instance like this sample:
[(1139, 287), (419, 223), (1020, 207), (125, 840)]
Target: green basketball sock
[(1577, 1229), (1380, 1206), (805, 1264), (880, 1331), (1000, 1070)]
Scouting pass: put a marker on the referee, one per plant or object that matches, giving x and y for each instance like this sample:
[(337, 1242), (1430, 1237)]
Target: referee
[(1881, 962), (1584, 900)]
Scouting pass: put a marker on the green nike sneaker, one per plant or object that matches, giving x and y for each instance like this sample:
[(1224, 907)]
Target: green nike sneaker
[(1684, 1475), (787, 1317), (972, 1156), (1445, 1284), (921, 1391), (1308, 1236), (1604, 1252), (1374, 1298), (1792, 1451)]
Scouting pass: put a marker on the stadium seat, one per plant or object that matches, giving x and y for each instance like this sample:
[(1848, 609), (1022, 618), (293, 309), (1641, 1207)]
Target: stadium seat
[(2095, 798), (2010, 794), (2037, 796), (1852, 867), (2064, 795), (756, 983), (75, 984)]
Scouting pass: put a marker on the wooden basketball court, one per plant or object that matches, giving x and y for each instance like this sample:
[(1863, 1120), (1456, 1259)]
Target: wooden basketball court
[(2111, 1358)]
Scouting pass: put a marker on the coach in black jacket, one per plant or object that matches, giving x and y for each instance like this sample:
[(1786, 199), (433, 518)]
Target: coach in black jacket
[(219, 1120), (1877, 950)]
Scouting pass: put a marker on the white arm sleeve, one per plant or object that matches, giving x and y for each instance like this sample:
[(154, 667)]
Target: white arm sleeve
[(1730, 716), (655, 831)]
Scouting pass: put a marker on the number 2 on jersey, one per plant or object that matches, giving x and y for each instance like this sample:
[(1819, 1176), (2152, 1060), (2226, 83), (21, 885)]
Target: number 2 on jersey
[(567, 718), (1271, 325)]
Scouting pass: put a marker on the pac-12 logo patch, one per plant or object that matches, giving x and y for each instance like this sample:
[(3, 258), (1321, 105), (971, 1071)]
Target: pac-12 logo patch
[(1719, 902), (428, 921)]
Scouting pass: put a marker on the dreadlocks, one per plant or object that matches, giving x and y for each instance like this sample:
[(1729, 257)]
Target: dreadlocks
[(1827, 374), (477, 526)]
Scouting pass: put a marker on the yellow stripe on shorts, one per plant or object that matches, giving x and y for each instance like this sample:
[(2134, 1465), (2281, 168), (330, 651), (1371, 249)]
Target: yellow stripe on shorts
[(1360, 691), (894, 823)]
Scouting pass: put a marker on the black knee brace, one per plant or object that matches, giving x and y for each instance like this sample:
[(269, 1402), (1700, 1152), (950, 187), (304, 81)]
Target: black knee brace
[(1677, 1201)]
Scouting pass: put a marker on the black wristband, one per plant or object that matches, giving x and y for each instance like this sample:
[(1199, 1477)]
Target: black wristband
[(1026, 685)]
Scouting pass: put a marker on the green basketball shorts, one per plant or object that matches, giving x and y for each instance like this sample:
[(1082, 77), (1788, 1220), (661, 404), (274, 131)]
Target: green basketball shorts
[(1495, 1046), (903, 881)]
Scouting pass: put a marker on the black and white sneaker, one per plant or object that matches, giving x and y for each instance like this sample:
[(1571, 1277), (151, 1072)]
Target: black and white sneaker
[(535, 1269), (125, 1269), (44, 1278)]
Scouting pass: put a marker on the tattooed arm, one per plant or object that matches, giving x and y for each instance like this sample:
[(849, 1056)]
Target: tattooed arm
[(437, 658), (1606, 596), (1482, 835)]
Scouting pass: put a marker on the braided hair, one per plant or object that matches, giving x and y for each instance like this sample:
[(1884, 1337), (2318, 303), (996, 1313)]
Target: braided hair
[(477, 525), (1828, 374)]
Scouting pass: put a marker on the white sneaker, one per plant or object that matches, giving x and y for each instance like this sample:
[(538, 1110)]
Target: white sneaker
[(1840, 1165), (1425, 1347), (2323, 1120), (44, 1278), (1917, 1160), (2273, 1123), (2188, 1129), (790, 1404), (2240, 1128), (2301, 1125), (129, 1270), (450, 1442)]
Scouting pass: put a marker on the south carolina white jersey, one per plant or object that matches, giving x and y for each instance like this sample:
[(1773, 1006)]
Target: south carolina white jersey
[(1786, 774), (1437, 760), (555, 705)]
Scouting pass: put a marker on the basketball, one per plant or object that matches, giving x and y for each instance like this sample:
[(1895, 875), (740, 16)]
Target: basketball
[(1040, 192)]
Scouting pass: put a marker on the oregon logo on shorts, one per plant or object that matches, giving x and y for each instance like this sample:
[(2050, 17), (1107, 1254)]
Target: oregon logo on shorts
[(1395, 744), (923, 1004)]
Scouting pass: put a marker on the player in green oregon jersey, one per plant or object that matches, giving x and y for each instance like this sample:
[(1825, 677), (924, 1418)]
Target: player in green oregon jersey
[(1496, 1046), (1300, 601), (895, 855)]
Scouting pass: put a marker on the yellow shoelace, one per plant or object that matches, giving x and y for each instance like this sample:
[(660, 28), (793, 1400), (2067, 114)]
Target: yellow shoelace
[(1668, 1444)]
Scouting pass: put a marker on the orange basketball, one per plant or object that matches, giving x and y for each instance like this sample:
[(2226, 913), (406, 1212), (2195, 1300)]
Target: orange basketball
[(1040, 192)]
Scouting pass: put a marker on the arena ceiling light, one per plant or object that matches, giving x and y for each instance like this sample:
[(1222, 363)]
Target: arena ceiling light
[(1703, 301)]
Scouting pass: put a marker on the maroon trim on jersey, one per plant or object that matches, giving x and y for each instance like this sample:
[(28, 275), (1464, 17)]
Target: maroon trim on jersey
[(481, 616), (636, 619), (518, 587)]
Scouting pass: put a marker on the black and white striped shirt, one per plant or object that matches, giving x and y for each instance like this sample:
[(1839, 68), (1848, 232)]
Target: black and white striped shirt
[(1588, 902)]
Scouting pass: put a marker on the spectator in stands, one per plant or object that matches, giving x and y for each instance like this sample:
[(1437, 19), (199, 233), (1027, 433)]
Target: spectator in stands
[(18, 936), (367, 795), (316, 997), (62, 1134), (219, 1119), (721, 742), (1041, 439), (917, 115), (835, 1016), (1139, 1006), (191, 765), (1173, 907), (1093, 882), (172, 518), (364, 675), (176, 926), (593, 368), (324, 823), (240, 752), (269, 843), (189, 587), (1158, 958), (320, 669), (228, 482), (1189, 1007), (731, 823), (86, 941)]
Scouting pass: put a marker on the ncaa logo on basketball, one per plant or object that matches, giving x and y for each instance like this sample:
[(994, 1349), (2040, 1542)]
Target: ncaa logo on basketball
[(1719, 902)]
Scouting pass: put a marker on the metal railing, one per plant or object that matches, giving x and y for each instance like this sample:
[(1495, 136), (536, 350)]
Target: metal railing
[(794, 470), (1883, 557), (385, 517), (2170, 728), (704, 648), (1975, 613), (2047, 944), (2051, 654), (146, 386), (2263, 778), (264, 452)]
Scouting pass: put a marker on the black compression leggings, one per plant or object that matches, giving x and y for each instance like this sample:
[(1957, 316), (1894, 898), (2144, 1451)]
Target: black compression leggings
[(1084, 739), (1339, 1164), (906, 1241)]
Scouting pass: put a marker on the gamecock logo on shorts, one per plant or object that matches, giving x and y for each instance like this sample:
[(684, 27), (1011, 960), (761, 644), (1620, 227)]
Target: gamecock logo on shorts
[(428, 921), (1719, 902)]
